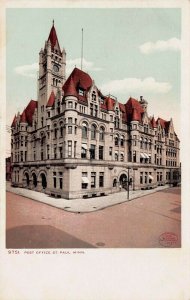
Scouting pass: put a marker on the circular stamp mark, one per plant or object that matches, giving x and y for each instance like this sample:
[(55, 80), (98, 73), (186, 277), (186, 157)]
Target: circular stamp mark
[(168, 239)]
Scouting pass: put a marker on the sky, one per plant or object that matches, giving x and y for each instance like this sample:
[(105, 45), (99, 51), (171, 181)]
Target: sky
[(127, 51)]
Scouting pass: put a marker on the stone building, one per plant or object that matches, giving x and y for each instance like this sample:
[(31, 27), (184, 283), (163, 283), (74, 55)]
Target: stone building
[(75, 142)]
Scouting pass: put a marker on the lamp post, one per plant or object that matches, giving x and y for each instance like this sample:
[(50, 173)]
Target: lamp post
[(128, 182)]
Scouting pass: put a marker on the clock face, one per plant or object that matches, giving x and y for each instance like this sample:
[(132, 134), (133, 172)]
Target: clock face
[(55, 68)]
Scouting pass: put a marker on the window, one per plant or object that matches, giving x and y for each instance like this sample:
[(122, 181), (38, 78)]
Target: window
[(70, 104), (96, 110), (116, 140), (93, 179), (69, 129), (93, 132), (101, 179), (55, 131), (115, 182), (134, 156), (61, 152), (61, 180), (81, 92), (116, 156), (91, 109), (101, 150), (92, 151), (75, 148), (55, 152), (102, 134), (94, 96), (54, 180), (84, 131), (145, 177), (116, 122), (141, 177), (122, 157), (150, 177), (70, 120), (61, 129), (110, 151), (122, 141), (69, 148), (84, 151), (85, 180)]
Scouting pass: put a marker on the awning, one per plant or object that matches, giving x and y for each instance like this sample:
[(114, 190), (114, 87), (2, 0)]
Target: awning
[(142, 155), (149, 155), (84, 146), (150, 176), (85, 180), (146, 155)]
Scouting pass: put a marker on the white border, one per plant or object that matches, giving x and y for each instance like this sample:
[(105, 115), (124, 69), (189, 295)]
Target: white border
[(127, 274)]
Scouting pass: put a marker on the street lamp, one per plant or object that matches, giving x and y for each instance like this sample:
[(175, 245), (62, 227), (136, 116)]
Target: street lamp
[(128, 182)]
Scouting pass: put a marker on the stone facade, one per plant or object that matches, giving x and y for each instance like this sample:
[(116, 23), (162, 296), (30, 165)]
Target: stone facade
[(74, 142)]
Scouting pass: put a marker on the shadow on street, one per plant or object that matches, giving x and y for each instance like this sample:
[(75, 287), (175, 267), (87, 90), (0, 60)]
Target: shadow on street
[(42, 236)]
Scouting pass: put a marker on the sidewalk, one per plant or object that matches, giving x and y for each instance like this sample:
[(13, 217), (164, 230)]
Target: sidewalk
[(82, 205)]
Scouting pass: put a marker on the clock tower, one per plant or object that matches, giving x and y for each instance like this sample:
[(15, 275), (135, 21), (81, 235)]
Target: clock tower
[(52, 62)]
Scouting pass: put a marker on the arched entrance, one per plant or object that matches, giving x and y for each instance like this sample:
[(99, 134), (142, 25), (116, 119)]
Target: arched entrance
[(44, 181), (34, 179), (123, 180), (27, 179)]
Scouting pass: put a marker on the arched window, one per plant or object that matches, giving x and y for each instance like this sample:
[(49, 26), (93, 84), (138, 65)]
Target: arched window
[(145, 143), (115, 182), (116, 140), (122, 141), (102, 132), (84, 130), (93, 132)]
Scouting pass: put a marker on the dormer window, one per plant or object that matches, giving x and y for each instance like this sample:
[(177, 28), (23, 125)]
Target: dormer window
[(81, 92)]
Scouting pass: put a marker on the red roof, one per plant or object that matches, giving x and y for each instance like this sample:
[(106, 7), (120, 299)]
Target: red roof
[(81, 80), (110, 103), (136, 116), (14, 122), (29, 110), (164, 124), (23, 117), (70, 89), (53, 38), (51, 100), (130, 106)]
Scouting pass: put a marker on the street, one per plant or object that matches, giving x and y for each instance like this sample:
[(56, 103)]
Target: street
[(140, 223)]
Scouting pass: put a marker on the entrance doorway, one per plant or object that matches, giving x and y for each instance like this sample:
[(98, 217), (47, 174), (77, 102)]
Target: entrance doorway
[(123, 180)]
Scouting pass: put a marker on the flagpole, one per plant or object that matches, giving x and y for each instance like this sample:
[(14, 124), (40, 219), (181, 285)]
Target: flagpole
[(82, 50)]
